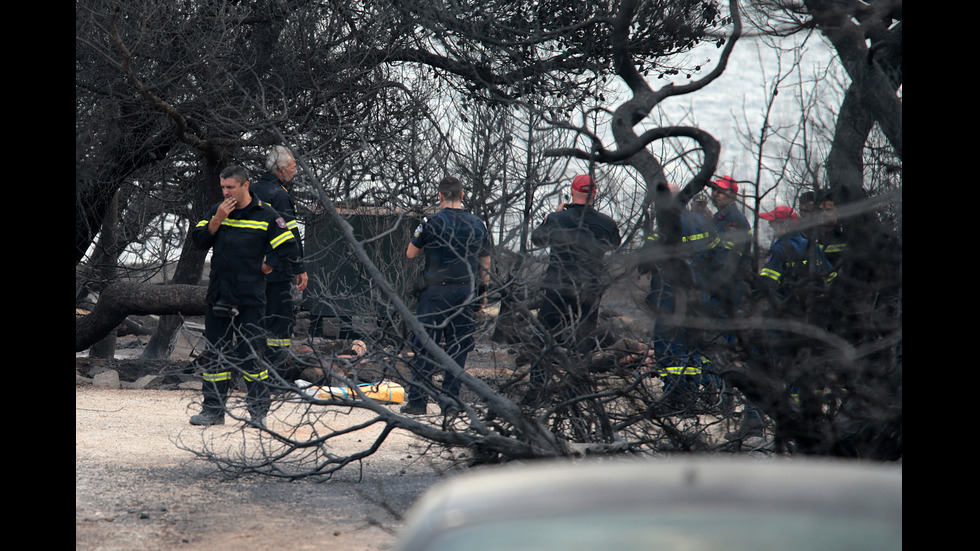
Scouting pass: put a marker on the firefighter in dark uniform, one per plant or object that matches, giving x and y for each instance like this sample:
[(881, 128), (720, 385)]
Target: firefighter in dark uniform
[(729, 285), (578, 237), (790, 275), (692, 261), (830, 235), (827, 239), (699, 205), (787, 280), (239, 231), (456, 245), (279, 316)]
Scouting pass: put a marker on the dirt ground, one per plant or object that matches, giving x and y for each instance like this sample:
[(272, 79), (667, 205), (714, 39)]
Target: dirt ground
[(136, 489)]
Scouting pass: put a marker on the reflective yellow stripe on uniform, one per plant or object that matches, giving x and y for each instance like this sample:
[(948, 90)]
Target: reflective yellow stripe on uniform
[(235, 223), (682, 370), (215, 377), (250, 224), (731, 247), (281, 238), (693, 237), (771, 274), (278, 342), (260, 376)]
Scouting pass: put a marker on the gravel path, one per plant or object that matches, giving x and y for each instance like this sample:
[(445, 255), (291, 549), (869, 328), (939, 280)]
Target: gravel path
[(136, 489)]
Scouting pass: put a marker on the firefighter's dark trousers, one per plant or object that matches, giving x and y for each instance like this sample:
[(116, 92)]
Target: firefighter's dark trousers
[(279, 322), (571, 320), (235, 344), (448, 313)]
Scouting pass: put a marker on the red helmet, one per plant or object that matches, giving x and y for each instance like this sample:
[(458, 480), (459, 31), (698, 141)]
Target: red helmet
[(779, 213), (727, 182)]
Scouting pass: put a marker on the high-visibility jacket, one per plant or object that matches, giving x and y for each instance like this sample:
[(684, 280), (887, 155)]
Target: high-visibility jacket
[(270, 190), (736, 240), (239, 249), (788, 276)]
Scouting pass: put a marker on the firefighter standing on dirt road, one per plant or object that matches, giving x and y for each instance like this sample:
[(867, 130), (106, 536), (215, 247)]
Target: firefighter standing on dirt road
[(239, 230), (456, 246), (279, 316)]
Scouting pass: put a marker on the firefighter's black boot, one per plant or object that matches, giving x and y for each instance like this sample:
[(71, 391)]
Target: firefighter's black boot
[(215, 391), (258, 399), (208, 418)]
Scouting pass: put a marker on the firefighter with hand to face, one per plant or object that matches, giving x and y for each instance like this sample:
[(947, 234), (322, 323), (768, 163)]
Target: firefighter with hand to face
[(238, 231), (578, 237)]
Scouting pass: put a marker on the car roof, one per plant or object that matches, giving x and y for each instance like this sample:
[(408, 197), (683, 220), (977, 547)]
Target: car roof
[(550, 489)]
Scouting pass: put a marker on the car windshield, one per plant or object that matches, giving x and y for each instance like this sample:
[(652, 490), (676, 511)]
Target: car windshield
[(705, 530)]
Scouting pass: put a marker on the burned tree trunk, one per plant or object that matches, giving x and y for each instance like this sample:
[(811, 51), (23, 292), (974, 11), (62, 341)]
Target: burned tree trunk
[(124, 299), (192, 260)]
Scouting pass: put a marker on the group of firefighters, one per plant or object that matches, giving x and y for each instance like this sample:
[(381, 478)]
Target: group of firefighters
[(257, 257), (709, 267)]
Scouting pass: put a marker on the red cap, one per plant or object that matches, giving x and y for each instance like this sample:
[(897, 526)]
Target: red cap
[(779, 213), (583, 184), (727, 182)]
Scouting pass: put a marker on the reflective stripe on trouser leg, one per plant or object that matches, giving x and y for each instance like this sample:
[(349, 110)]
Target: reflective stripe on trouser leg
[(257, 398), (236, 340), (680, 378), (215, 377), (680, 370), (276, 352), (278, 321), (215, 390), (252, 377)]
